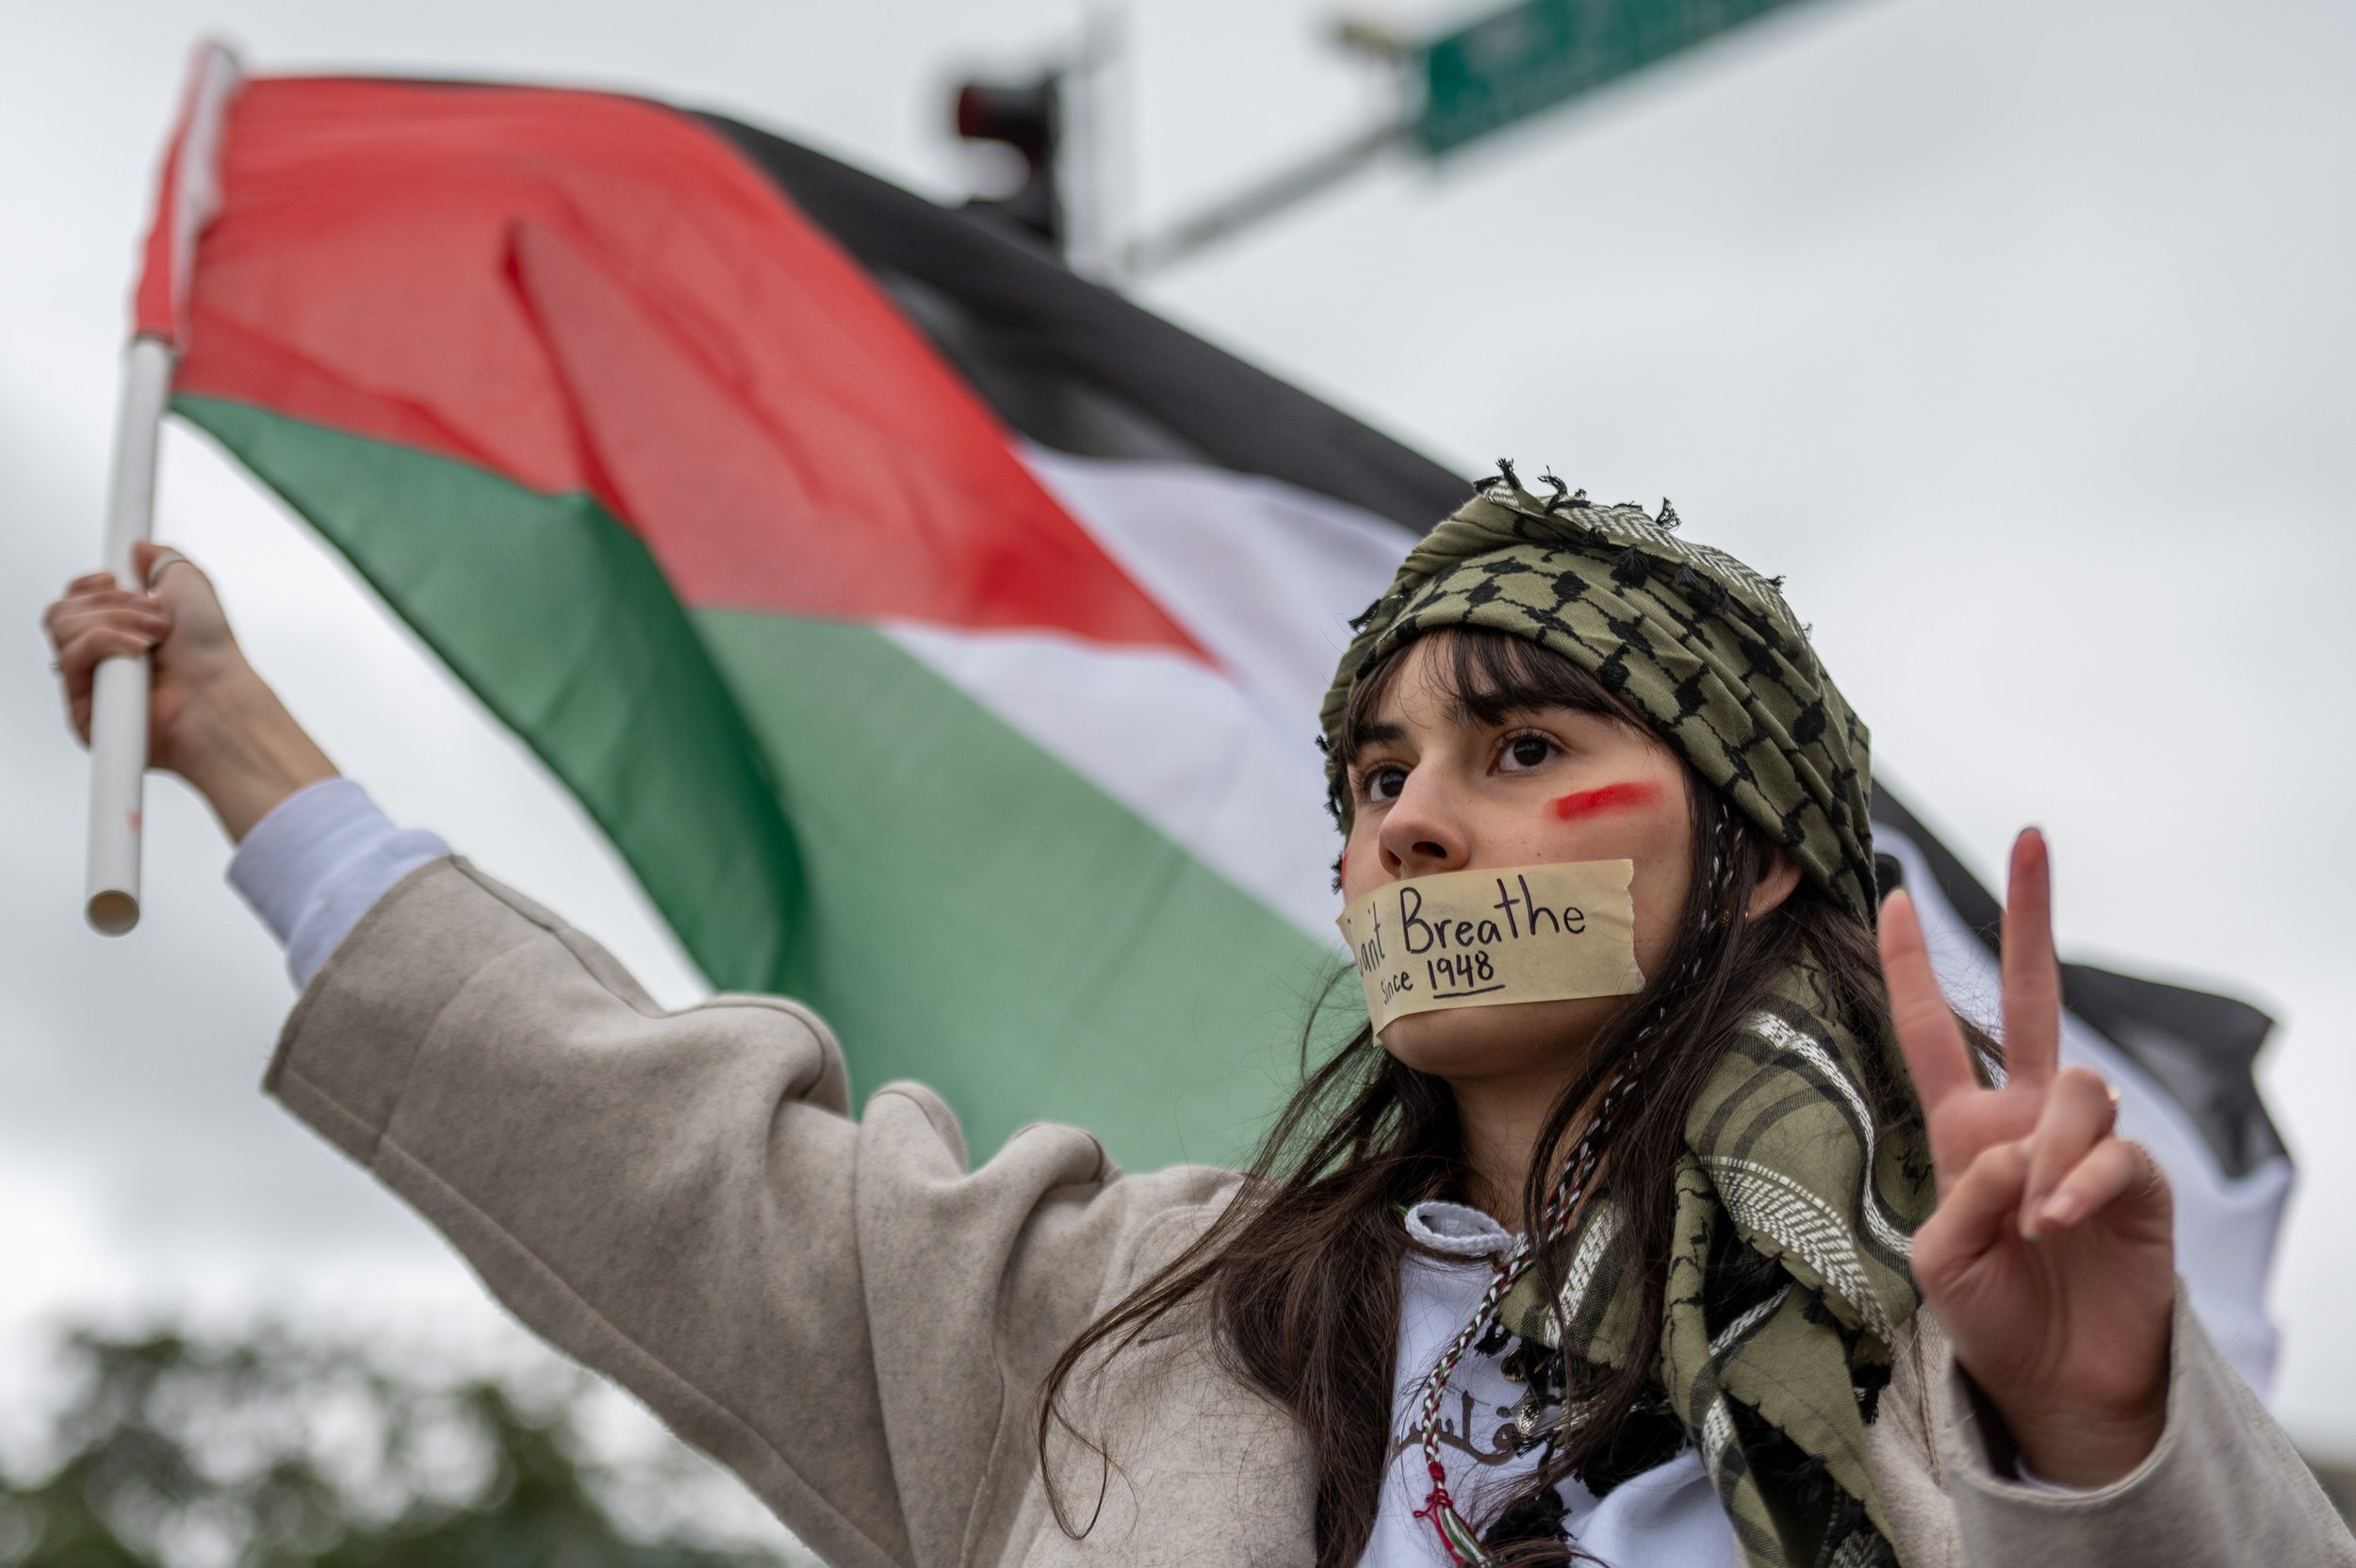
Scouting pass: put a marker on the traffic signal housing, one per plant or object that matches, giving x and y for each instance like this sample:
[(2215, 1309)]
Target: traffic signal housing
[(1027, 117)]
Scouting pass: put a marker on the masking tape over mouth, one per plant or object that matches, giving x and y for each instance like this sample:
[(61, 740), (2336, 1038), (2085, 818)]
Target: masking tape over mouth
[(1484, 939)]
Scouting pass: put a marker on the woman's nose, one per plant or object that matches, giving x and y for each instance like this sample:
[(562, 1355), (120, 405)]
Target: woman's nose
[(1420, 835)]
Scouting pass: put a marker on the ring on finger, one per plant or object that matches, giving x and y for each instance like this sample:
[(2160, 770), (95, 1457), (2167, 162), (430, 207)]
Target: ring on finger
[(156, 572)]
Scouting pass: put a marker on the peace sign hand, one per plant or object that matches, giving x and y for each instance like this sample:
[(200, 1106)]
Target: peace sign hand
[(2049, 1261)]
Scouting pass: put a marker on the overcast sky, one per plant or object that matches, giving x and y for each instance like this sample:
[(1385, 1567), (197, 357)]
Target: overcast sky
[(2017, 333)]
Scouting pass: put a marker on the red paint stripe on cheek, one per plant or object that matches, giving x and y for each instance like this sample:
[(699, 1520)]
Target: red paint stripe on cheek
[(1612, 797)]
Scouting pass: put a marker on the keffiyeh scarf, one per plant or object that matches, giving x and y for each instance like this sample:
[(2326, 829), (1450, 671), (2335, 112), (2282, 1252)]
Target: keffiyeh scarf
[(1796, 1193)]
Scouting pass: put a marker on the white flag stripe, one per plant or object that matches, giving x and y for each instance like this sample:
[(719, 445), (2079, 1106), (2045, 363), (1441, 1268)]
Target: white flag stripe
[(1171, 738), (1223, 759), (1265, 576)]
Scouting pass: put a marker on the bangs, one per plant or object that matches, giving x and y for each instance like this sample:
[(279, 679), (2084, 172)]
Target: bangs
[(1484, 677)]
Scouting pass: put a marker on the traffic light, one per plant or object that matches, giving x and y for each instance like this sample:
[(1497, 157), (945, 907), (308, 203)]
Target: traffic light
[(1027, 117)]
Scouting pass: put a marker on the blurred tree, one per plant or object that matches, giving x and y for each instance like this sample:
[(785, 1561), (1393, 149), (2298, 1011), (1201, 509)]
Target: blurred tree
[(282, 1452)]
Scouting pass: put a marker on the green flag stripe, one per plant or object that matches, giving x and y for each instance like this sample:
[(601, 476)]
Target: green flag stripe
[(818, 814), (997, 925), (558, 619)]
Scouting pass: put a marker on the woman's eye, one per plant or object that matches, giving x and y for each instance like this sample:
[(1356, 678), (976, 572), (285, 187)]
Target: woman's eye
[(1385, 783), (1527, 751)]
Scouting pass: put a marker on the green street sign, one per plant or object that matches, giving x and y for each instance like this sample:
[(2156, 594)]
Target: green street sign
[(1542, 53)]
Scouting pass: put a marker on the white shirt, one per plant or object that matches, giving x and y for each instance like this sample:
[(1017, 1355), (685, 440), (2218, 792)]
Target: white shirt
[(323, 856), (1667, 1517)]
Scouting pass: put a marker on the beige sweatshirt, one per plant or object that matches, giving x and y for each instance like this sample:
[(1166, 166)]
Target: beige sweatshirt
[(856, 1321)]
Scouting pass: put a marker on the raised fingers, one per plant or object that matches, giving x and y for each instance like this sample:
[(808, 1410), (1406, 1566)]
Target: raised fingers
[(2078, 1113), (2114, 1169), (1934, 1046), (1973, 1214), (2032, 977)]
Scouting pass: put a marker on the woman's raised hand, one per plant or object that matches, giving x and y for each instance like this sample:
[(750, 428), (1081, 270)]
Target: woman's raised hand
[(211, 718), (2049, 1261), (180, 619)]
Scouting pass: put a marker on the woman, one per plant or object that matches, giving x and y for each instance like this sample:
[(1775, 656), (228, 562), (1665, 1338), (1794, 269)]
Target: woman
[(1636, 1279)]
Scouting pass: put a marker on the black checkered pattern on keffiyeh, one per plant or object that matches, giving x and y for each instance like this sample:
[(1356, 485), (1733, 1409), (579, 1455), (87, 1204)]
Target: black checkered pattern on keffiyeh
[(1695, 642)]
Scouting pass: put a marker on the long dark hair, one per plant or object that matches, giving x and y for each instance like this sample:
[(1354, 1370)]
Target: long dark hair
[(1302, 1270)]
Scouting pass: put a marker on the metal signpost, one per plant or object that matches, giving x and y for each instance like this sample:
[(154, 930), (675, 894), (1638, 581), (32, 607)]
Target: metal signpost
[(1541, 53), (1465, 85)]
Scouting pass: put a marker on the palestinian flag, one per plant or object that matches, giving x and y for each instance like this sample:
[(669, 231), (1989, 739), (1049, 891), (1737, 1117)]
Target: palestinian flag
[(938, 635)]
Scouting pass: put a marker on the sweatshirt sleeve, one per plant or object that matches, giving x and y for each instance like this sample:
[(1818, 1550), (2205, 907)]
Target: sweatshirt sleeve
[(2224, 1487), (312, 867), (842, 1312)]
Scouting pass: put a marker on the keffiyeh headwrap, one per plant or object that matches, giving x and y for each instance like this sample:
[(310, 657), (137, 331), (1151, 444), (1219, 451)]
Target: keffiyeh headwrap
[(1698, 643), (1805, 1169)]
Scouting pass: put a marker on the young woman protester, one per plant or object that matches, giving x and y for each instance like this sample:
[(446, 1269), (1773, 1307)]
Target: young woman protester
[(1769, 1265)]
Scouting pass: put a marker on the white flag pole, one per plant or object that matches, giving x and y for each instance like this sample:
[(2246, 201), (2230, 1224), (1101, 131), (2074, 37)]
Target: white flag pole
[(118, 722), (117, 727)]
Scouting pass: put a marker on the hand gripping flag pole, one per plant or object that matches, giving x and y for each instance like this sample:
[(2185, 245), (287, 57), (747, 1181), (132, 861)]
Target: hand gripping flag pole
[(118, 730)]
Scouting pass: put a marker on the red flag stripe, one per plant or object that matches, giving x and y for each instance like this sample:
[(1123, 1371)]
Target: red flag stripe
[(592, 293), (188, 195)]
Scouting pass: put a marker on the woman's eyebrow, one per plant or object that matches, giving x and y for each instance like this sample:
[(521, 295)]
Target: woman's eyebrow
[(1499, 709), (1379, 734)]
